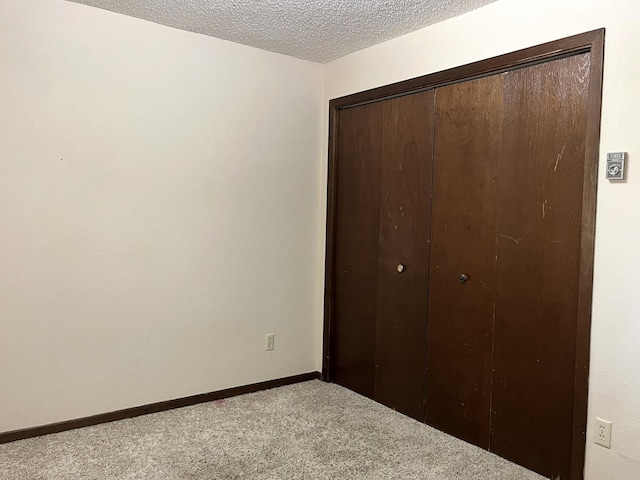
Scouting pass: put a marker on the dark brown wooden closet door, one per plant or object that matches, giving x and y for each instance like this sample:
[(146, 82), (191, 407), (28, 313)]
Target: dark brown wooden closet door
[(405, 207), (356, 248), (378, 344), (539, 231), (506, 352), (467, 145)]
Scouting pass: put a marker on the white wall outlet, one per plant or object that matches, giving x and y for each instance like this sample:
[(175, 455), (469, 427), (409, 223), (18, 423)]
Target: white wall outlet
[(269, 341), (602, 435)]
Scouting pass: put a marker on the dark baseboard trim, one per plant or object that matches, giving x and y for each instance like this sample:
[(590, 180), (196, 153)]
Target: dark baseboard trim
[(153, 408)]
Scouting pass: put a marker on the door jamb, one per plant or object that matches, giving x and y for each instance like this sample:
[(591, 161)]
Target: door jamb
[(590, 42)]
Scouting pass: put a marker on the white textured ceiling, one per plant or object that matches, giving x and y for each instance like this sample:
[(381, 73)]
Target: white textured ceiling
[(316, 30)]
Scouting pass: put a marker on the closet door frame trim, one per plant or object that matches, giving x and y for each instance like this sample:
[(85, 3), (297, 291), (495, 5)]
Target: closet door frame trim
[(590, 42)]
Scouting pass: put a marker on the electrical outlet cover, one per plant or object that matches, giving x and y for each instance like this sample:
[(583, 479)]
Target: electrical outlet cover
[(269, 341), (602, 433)]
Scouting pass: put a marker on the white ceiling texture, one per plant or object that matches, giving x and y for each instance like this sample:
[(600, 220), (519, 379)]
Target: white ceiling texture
[(315, 30)]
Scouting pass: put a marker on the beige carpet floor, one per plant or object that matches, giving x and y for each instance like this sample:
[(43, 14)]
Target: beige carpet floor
[(308, 431)]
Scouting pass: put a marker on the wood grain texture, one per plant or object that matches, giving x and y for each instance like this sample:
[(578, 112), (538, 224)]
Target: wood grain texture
[(592, 42), (356, 249), (405, 207), (464, 221), (575, 44), (540, 221), (587, 247)]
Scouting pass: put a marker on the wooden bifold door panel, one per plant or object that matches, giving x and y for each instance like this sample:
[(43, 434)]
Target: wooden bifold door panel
[(403, 253), (356, 253), (460, 249), (466, 152), (538, 267), (507, 212), (383, 226)]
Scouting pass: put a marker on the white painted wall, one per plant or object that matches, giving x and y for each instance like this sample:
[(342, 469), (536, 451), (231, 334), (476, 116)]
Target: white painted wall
[(158, 213), (509, 25)]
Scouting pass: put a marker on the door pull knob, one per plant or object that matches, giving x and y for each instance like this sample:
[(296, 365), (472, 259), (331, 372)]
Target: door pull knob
[(400, 268), (462, 278)]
